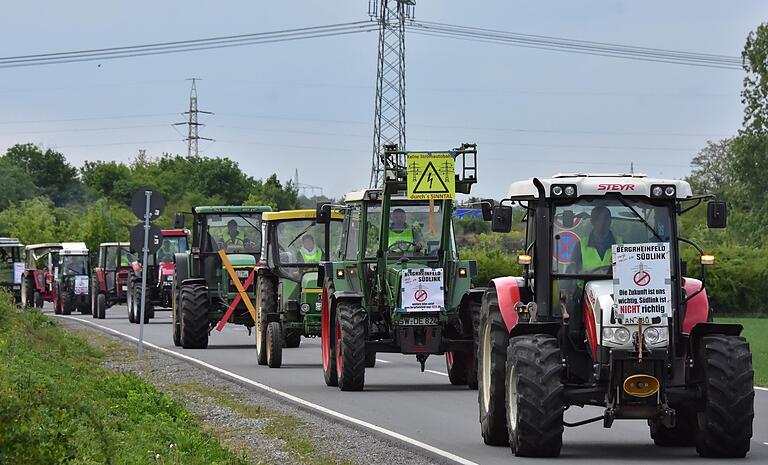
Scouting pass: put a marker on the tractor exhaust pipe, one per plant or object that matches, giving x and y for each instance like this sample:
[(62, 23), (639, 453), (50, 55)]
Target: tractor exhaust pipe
[(641, 385)]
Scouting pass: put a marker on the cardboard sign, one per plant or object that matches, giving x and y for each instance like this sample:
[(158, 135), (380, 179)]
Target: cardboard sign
[(422, 289), (81, 285), (431, 176), (642, 285), (18, 271)]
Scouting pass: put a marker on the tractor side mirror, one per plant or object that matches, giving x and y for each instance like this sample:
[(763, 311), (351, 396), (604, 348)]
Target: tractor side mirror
[(568, 218), (323, 213), (487, 208), (178, 220), (717, 214), (502, 219)]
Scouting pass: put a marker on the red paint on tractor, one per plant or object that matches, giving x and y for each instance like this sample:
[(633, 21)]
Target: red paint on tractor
[(696, 309), (588, 316), (616, 187), (508, 293)]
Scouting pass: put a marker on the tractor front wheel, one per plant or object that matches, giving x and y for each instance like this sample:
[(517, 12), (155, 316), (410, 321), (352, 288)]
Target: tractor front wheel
[(683, 434), (57, 300), (176, 321), (725, 424), (370, 359), (131, 304), (328, 338), (101, 306), (194, 316), (492, 357), (350, 346), (38, 299), (27, 292), (534, 396), (267, 303), (274, 344), (457, 364), (66, 303), (292, 339), (94, 292)]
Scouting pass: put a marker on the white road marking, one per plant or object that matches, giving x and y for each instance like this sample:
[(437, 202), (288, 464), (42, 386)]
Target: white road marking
[(765, 443), (383, 361), (761, 388), (290, 397), (437, 372)]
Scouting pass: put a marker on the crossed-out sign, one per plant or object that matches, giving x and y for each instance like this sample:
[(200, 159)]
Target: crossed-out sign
[(566, 246), (241, 294), (642, 278), (431, 176), (420, 295)]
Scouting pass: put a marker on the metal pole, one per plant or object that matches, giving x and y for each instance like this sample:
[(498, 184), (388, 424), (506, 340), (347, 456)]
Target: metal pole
[(145, 251)]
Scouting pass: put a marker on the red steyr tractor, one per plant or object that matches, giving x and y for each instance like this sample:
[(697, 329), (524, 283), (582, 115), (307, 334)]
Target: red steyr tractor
[(110, 277), (604, 315), (37, 281)]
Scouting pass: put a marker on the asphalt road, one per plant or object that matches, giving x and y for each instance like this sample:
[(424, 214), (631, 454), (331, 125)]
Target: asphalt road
[(422, 406)]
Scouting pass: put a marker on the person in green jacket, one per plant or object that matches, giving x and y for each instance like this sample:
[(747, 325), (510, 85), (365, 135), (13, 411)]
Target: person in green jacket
[(309, 252), (594, 251), (402, 238)]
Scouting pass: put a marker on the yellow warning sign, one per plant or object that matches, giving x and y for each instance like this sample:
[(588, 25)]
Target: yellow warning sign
[(431, 176)]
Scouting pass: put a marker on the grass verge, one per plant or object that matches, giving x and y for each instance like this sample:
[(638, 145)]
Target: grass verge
[(58, 405), (755, 330)]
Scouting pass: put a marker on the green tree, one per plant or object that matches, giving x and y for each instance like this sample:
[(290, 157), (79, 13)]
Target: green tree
[(105, 222), (33, 221), (712, 168), (272, 192), (755, 92), (17, 184), (101, 176), (49, 170)]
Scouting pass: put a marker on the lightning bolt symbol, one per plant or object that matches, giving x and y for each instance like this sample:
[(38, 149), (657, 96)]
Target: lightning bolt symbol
[(429, 180)]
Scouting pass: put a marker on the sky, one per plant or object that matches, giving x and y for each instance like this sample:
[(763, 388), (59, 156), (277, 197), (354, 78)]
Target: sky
[(308, 105)]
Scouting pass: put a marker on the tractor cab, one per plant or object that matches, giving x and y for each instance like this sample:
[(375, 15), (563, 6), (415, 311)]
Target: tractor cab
[(71, 285), (37, 283), (288, 292), (204, 291), (112, 272), (11, 266), (604, 302), (398, 278)]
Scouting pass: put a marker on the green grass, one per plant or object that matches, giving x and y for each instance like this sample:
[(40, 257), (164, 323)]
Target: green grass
[(58, 405), (756, 332)]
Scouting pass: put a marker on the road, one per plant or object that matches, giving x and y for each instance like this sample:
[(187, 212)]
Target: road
[(421, 406)]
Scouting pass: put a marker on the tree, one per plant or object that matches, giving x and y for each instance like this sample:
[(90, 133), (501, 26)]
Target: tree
[(49, 170), (271, 192), (755, 92), (17, 184), (712, 168), (33, 221), (101, 176)]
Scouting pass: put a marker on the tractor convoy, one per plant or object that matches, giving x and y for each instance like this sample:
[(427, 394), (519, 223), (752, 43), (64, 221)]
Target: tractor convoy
[(605, 312)]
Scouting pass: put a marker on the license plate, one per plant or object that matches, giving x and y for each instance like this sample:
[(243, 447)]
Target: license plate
[(125, 288), (242, 274), (419, 321), (633, 320)]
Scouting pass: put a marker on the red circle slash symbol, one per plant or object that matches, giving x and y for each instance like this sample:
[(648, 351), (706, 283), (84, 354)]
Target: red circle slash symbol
[(642, 278), (420, 295)]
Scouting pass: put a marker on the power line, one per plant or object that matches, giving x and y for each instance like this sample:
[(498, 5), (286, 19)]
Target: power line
[(89, 118)]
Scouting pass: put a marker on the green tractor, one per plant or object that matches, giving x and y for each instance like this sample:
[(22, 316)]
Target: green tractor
[(11, 266), (203, 290), (288, 293), (399, 285)]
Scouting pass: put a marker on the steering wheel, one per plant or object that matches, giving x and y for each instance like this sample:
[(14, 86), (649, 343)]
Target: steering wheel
[(397, 247)]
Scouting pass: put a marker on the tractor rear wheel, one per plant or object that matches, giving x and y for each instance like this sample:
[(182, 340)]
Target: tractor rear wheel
[(27, 292), (725, 424), (328, 338), (683, 434), (38, 299), (131, 304), (101, 306), (474, 312), (94, 292), (534, 396), (267, 304), (292, 338), (493, 339), (457, 365), (194, 316), (274, 344), (350, 346), (66, 304), (176, 321), (57, 300), (370, 359)]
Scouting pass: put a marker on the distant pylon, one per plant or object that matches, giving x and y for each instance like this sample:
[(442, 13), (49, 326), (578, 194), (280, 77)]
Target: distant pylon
[(192, 123), (389, 115)]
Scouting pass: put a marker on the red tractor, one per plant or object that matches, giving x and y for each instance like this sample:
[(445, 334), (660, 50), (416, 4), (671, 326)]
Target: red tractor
[(603, 315), (159, 277), (37, 281), (71, 281), (110, 277)]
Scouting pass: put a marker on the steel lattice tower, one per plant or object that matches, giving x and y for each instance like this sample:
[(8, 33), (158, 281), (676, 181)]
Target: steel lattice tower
[(389, 116), (192, 123)]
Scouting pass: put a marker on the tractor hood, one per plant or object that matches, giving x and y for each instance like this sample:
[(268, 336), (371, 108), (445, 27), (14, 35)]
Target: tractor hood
[(309, 280), (241, 259)]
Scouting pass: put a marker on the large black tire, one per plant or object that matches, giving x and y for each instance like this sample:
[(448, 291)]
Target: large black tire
[(38, 299), (474, 312), (350, 346), (176, 322), (267, 304), (28, 291), (683, 434), (725, 422), (66, 303), (493, 339), (457, 366), (57, 301), (274, 344), (370, 359), (130, 302), (292, 339), (101, 306), (136, 299), (94, 301), (194, 316), (328, 337), (535, 401)]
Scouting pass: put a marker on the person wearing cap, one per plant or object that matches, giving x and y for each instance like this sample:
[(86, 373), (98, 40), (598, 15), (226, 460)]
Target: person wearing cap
[(309, 252), (408, 238)]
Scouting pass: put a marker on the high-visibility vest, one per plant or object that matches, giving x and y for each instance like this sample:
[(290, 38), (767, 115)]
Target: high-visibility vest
[(406, 235), (590, 258), (311, 257), (238, 240)]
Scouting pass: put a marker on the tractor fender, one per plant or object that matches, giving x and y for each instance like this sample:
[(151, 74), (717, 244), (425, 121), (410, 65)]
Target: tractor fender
[(194, 281), (101, 279), (551, 328), (705, 329), (696, 309), (473, 295), (346, 295), (508, 292), (181, 267)]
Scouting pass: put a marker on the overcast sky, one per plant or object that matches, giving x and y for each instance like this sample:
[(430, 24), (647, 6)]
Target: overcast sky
[(309, 104)]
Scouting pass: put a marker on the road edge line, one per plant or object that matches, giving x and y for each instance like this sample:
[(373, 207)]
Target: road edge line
[(307, 405)]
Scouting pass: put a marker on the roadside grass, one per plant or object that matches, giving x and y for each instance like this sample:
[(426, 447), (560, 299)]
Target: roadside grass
[(756, 332), (284, 427), (58, 405)]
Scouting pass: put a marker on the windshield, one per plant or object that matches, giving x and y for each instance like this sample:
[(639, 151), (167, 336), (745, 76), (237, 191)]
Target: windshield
[(301, 242), (234, 232), (125, 258), (10, 254), (414, 230), (585, 231), (74, 265), (170, 246)]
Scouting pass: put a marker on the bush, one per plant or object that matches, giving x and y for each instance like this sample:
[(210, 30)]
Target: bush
[(491, 263)]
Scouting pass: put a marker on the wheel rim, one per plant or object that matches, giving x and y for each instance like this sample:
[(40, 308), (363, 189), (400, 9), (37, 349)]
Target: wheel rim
[(449, 359), (512, 398), (486, 365), (259, 338), (269, 346)]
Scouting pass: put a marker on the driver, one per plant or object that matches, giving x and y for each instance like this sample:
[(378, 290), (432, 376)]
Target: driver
[(309, 252), (595, 251), (234, 237), (165, 254), (400, 232)]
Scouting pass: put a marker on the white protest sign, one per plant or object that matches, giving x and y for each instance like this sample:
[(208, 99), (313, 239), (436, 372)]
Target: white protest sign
[(18, 271), (422, 289), (642, 285), (81, 285)]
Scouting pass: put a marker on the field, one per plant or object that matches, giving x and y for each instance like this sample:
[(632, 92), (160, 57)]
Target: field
[(755, 330)]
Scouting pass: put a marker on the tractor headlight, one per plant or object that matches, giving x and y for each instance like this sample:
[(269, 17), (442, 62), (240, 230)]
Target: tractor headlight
[(621, 335), (557, 190), (563, 190), (608, 334), (655, 335), (663, 190), (304, 308), (570, 191)]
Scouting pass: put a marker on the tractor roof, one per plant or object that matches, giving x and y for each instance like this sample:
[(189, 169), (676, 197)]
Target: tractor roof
[(365, 194), (115, 244), (10, 242), (296, 215), (74, 248), (601, 184), (174, 232), (48, 245), (233, 209)]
